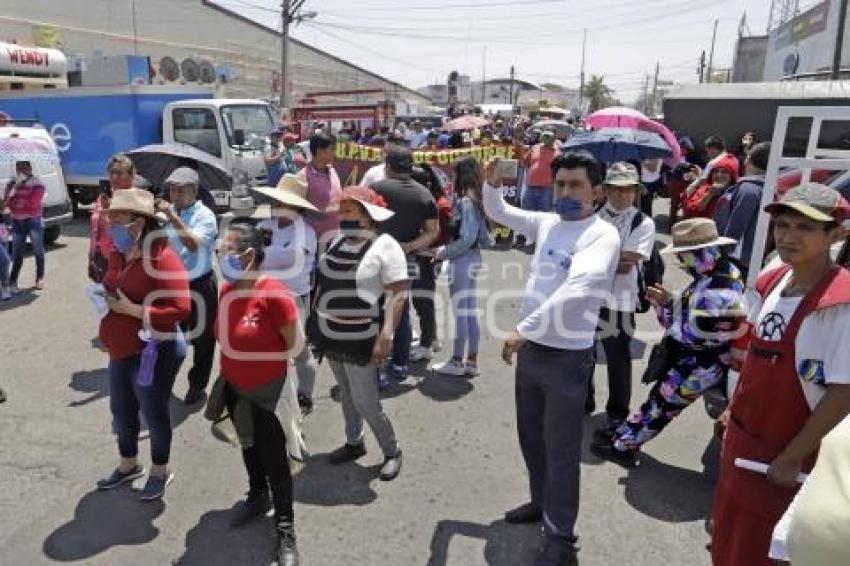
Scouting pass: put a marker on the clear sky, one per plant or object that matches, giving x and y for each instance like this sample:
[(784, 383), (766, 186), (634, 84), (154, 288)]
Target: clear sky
[(419, 41)]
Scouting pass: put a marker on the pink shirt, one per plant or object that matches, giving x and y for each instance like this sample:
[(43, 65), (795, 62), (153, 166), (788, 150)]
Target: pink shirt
[(322, 189), (25, 199), (100, 239)]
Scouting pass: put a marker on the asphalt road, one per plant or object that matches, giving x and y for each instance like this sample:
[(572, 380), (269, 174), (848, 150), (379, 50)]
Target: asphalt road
[(462, 465)]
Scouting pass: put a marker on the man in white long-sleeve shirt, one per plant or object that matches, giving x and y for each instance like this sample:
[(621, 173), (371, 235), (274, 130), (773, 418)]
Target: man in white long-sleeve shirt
[(572, 275)]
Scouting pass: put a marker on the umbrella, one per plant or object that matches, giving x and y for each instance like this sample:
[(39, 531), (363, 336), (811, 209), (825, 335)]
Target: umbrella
[(622, 117), (156, 162), (557, 126), (468, 122), (620, 144)]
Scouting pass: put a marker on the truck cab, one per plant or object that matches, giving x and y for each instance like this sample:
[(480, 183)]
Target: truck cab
[(233, 130), (46, 166)]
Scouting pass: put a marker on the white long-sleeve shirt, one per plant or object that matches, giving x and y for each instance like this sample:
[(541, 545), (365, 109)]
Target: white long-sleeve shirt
[(572, 273)]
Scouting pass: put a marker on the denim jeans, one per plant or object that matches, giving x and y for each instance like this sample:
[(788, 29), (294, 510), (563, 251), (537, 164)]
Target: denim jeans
[(34, 228), (126, 397), (463, 272), (5, 263), (538, 199)]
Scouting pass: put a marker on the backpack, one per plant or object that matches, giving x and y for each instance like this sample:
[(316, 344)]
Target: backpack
[(651, 271)]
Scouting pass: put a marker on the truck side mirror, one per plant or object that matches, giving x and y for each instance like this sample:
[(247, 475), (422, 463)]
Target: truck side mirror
[(239, 137)]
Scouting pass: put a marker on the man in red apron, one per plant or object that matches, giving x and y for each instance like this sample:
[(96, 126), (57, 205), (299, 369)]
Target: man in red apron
[(795, 383)]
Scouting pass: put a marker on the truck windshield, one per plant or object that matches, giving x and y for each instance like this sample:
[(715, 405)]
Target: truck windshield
[(255, 120)]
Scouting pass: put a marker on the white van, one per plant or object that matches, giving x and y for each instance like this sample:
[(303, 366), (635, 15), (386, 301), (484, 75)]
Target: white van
[(44, 158)]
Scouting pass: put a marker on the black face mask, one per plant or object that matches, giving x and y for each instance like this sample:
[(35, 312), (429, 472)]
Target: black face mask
[(350, 227)]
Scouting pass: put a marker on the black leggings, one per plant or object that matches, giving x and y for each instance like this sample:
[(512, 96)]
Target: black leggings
[(266, 461)]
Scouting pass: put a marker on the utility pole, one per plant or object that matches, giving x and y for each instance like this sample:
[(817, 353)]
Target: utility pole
[(512, 86), (655, 89), (711, 57), (645, 93), (135, 30), (701, 68), (839, 40), (484, 75), (289, 14), (581, 83)]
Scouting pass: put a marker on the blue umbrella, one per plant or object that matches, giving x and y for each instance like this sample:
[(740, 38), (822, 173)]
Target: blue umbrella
[(620, 144)]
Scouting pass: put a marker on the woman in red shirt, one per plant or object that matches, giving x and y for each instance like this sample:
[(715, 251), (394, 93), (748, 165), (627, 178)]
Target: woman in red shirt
[(122, 173), (258, 331), (702, 202), (148, 298)]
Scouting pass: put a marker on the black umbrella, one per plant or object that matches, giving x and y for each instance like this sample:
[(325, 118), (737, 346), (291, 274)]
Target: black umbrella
[(620, 144), (156, 162)]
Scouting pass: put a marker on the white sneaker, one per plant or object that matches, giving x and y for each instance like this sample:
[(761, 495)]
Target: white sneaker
[(5, 294), (450, 367), (419, 353), (14, 289), (471, 369)]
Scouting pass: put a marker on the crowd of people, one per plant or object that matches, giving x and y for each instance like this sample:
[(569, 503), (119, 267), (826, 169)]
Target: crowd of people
[(323, 272)]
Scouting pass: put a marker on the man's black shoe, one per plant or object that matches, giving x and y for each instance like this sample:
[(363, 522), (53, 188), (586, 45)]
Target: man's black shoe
[(287, 550), (193, 396), (528, 513), (558, 551), (347, 453), (606, 451), (256, 505)]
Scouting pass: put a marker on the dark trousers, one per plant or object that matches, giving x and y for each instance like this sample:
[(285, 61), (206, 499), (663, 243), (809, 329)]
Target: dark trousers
[(615, 334), (126, 397), (551, 387), (201, 324), (423, 290), (403, 332), (266, 461)]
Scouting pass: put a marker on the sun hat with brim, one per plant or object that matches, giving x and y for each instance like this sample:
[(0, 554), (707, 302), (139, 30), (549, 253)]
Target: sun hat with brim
[(296, 184), (134, 201), (695, 233), (622, 174), (277, 196), (371, 202), (814, 201)]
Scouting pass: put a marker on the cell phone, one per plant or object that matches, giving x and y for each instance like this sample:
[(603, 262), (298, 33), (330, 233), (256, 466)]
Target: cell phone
[(106, 190), (508, 168)]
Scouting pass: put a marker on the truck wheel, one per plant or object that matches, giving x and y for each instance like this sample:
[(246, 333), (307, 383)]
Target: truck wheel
[(51, 234)]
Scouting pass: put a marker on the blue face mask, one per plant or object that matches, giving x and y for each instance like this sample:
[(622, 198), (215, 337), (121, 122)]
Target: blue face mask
[(231, 268), (569, 208), (350, 227), (122, 239)]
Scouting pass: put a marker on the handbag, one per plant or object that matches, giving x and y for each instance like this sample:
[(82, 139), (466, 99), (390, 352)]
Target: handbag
[(661, 359)]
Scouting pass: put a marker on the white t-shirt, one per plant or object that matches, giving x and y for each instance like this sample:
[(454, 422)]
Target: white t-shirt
[(624, 295), (383, 264), (821, 353), (572, 273), (292, 255), (374, 175)]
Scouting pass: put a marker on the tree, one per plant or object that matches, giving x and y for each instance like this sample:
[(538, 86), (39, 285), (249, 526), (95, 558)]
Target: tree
[(598, 93)]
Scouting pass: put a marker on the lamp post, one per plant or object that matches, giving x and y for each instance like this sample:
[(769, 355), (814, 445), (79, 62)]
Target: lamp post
[(289, 15)]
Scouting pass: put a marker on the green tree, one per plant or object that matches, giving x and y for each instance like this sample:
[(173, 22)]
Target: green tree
[(598, 93)]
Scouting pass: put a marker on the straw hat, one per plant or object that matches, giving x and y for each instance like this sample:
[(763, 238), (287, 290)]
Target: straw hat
[(135, 201), (282, 197), (695, 233), (296, 184)]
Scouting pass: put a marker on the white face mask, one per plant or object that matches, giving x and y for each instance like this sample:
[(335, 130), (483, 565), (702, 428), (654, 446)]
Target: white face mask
[(611, 209), (22, 177)]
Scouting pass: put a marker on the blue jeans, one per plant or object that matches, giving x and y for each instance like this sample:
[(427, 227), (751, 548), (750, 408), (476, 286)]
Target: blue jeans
[(537, 198), (462, 283), (5, 262), (34, 228), (126, 397)]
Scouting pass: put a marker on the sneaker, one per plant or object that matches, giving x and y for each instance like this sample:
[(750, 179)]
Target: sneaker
[(5, 294), (391, 467), (450, 367), (256, 505), (39, 284), (558, 551), (347, 453), (607, 451), (392, 371), (471, 369), (14, 289), (305, 404), (287, 549), (419, 353), (155, 487), (118, 477)]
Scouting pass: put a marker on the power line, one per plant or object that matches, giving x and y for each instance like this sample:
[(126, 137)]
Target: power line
[(513, 3)]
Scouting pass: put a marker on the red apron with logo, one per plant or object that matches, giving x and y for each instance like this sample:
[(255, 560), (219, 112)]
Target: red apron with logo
[(768, 410)]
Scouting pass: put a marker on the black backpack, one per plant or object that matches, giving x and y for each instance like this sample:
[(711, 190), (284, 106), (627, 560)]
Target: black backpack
[(651, 271)]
